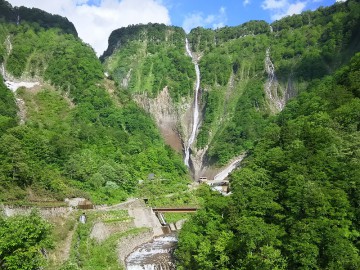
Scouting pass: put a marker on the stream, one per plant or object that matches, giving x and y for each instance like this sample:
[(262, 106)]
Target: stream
[(196, 106), (154, 255)]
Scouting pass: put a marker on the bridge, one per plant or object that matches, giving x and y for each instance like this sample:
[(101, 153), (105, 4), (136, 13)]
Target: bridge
[(175, 210)]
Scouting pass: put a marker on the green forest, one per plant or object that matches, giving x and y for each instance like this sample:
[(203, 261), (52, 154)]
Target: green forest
[(303, 48), (294, 201), (80, 138)]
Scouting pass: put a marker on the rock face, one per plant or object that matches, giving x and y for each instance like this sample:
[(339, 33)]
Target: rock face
[(174, 122), (166, 115), (274, 92)]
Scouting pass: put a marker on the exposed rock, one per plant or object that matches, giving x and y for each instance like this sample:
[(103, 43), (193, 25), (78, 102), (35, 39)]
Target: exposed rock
[(179, 224), (166, 115), (125, 81), (274, 92), (22, 110)]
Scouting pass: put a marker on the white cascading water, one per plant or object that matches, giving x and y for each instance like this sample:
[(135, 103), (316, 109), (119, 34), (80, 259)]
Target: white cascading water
[(279, 102), (154, 255), (224, 173), (196, 106)]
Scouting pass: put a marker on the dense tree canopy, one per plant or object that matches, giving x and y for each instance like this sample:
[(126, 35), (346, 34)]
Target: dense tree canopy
[(80, 137), (295, 202), (303, 48), (23, 242)]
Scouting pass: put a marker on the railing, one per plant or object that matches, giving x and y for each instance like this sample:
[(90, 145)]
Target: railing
[(175, 210)]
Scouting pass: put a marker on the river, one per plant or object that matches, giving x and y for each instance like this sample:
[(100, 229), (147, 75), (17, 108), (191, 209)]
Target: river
[(154, 255)]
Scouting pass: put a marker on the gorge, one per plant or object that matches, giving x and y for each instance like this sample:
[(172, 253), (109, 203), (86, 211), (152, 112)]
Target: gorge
[(162, 108)]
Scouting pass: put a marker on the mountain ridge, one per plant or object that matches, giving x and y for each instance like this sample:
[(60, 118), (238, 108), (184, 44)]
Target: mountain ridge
[(234, 60)]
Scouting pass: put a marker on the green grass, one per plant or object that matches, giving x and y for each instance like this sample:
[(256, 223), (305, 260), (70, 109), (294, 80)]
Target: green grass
[(114, 216)]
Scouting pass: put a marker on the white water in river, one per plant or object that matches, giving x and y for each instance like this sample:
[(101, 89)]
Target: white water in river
[(154, 255), (196, 107)]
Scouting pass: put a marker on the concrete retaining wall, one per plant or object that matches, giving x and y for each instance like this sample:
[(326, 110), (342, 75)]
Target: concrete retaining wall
[(44, 212), (127, 244), (101, 231)]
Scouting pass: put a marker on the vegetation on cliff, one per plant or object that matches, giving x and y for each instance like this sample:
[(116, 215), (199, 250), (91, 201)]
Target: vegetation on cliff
[(295, 201), (81, 135), (302, 47), (36, 17), (146, 58)]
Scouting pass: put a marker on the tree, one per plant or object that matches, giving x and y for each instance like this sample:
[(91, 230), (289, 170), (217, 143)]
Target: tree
[(23, 241)]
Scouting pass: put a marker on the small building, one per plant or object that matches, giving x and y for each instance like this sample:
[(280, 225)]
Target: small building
[(203, 179), (85, 204)]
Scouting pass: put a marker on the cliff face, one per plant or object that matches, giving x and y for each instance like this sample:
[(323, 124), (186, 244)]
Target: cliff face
[(247, 74), (166, 115)]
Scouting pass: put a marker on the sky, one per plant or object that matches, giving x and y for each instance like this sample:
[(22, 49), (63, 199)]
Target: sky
[(96, 19)]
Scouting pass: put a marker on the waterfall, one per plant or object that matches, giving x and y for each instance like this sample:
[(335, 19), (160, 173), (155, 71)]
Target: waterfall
[(225, 172), (272, 84), (195, 108)]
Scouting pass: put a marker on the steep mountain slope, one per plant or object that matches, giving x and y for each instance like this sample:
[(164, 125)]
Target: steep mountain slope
[(264, 68), (295, 201), (247, 74), (148, 61), (36, 17), (76, 134)]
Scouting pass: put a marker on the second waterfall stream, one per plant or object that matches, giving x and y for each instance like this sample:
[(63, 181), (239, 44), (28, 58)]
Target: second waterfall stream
[(195, 120)]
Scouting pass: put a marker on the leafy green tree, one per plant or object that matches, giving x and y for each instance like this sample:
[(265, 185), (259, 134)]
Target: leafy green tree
[(23, 242)]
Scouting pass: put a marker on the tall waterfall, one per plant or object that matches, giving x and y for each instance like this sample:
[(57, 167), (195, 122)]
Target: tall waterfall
[(271, 85), (196, 106)]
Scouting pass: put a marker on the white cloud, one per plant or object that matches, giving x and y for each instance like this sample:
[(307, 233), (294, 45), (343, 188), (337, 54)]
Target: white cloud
[(274, 4), (281, 8), (290, 10), (246, 2), (95, 20), (198, 19)]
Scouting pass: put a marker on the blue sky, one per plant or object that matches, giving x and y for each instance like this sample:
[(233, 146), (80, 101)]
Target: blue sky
[(235, 12), (95, 19)]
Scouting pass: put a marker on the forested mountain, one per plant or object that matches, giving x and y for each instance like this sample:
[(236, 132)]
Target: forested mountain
[(36, 17), (79, 136), (247, 74), (285, 93), (302, 48), (295, 201)]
